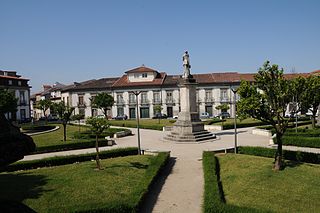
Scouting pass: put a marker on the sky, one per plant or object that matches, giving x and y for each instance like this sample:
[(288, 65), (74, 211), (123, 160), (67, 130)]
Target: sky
[(70, 41)]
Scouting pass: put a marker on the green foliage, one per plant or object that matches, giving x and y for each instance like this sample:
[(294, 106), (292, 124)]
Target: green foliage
[(8, 102), (44, 105), (223, 107), (77, 117), (70, 159), (157, 108), (288, 155), (36, 128), (103, 101), (97, 125), (64, 111), (302, 141)]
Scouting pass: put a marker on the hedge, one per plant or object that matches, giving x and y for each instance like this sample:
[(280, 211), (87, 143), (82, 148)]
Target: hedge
[(37, 128), (63, 160), (142, 126), (70, 146), (301, 141), (89, 135), (214, 200), (242, 125), (299, 156)]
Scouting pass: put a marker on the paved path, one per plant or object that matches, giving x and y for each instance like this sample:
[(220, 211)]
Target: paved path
[(182, 189)]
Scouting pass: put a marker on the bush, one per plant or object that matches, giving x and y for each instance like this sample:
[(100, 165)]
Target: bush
[(63, 160), (36, 128), (298, 156), (242, 125), (70, 146), (300, 140)]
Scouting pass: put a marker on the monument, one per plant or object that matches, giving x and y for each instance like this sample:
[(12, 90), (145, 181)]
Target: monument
[(188, 128)]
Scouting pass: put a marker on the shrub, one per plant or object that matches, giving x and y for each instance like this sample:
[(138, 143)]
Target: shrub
[(36, 128), (63, 160), (300, 140), (70, 146), (306, 157)]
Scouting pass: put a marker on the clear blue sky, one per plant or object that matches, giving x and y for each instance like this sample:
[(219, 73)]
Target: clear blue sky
[(73, 40)]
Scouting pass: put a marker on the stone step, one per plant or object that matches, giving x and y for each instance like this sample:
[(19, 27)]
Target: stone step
[(190, 138)]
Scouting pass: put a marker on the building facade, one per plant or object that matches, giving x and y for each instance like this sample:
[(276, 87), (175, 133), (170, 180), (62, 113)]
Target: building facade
[(9, 80)]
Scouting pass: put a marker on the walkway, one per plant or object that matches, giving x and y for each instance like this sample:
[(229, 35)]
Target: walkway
[(183, 187)]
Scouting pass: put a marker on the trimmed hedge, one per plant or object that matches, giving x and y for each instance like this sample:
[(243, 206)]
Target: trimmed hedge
[(70, 146), (142, 126), (300, 140), (63, 160), (36, 128), (214, 200), (89, 135), (298, 156), (242, 125)]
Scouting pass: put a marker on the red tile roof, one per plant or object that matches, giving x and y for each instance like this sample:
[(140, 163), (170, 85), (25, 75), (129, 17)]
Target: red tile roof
[(13, 77), (141, 69), (124, 82)]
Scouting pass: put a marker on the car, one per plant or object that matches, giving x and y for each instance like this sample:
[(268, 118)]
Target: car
[(159, 116), (205, 115), (175, 117), (224, 115), (101, 116), (120, 117)]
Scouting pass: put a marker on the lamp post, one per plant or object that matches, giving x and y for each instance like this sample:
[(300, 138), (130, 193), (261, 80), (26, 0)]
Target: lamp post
[(235, 118), (136, 93)]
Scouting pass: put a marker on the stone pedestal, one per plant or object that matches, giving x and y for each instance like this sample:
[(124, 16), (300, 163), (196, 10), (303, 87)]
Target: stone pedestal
[(188, 127)]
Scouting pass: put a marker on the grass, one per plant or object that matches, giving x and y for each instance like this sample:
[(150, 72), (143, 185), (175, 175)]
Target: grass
[(54, 140), (144, 123), (248, 181), (119, 187)]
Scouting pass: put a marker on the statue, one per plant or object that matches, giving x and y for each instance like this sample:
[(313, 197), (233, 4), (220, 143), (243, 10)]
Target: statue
[(186, 65)]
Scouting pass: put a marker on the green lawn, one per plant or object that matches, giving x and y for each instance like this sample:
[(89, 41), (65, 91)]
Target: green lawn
[(78, 187), (144, 123), (54, 140), (248, 181)]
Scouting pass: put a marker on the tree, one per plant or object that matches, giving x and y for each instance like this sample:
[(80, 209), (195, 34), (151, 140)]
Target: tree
[(103, 101), (44, 105), (78, 118), (311, 96), (64, 112), (98, 125), (266, 100), (157, 109), (13, 144), (223, 107)]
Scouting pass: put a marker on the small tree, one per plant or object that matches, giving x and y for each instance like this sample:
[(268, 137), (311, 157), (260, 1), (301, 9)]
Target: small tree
[(157, 109), (78, 118), (64, 112), (266, 100), (223, 108), (8, 102), (311, 96), (98, 125), (103, 101), (44, 105)]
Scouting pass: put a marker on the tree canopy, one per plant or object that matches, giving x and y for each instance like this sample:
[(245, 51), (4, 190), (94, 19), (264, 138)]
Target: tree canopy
[(64, 112), (8, 102), (267, 100), (103, 101)]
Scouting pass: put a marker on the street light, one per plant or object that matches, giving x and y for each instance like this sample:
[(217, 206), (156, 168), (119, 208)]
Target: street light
[(235, 118), (137, 93)]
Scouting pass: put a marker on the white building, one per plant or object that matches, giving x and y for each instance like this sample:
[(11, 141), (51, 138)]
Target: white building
[(14, 83)]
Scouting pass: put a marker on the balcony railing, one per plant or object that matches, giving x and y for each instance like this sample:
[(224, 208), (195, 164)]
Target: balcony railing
[(81, 104), (120, 102), (132, 101), (169, 100), (156, 101), (144, 101), (224, 99), (209, 100)]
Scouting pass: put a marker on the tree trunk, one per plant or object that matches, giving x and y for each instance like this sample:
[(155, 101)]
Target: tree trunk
[(79, 126), (278, 164), (313, 121), (97, 156), (64, 131)]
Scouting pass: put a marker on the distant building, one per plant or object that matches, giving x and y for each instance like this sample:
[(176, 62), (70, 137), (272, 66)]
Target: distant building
[(156, 88), (19, 87)]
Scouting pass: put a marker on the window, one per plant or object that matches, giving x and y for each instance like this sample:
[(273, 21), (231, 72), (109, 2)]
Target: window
[(19, 83), (132, 98), (144, 75), (224, 95), (156, 97), (208, 95), (136, 75), (144, 98), (80, 100), (10, 82), (22, 97), (22, 114), (120, 99), (82, 111), (120, 111)]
